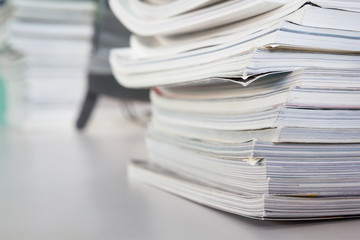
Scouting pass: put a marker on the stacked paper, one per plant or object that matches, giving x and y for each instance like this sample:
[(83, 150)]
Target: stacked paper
[(256, 104), (55, 38)]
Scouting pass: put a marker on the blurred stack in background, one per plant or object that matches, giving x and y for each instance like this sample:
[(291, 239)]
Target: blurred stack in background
[(55, 38)]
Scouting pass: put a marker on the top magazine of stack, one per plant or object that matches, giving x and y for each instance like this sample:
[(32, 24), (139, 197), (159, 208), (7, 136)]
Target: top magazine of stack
[(245, 49), (175, 17)]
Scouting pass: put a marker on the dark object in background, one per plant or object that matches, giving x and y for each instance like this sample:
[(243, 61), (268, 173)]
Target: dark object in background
[(109, 33)]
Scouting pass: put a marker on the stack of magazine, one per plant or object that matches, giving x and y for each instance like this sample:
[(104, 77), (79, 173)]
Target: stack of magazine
[(256, 104), (55, 38)]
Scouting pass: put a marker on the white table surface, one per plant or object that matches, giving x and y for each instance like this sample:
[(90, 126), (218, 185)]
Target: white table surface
[(70, 185)]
